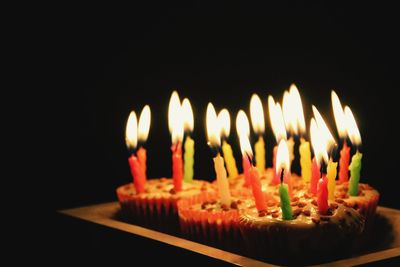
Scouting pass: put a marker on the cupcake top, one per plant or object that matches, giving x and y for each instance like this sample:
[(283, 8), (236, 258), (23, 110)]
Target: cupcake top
[(164, 188), (343, 210)]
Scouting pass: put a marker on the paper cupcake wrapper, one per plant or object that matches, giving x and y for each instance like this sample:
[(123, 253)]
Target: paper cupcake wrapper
[(215, 228), (158, 213)]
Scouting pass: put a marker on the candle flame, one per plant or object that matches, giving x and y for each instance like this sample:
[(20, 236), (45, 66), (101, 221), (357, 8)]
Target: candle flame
[(276, 118), (257, 114), (289, 113), (351, 125), (242, 124), (187, 113), (144, 124), (175, 120), (282, 157), (318, 142), (224, 121), (298, 106), (245, 146), (213, 127), (131, 131), (328, 139), (338, 113)]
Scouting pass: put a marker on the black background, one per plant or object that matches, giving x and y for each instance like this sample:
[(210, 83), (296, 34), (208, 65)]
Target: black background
[(108, 62), (112, 63)]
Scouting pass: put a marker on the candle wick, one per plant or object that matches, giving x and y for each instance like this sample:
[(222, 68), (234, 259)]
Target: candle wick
[(282, 173)]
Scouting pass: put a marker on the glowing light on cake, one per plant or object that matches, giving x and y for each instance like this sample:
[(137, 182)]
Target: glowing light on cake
[(325, 135), (243, 132), (175, 124), (214, 141), (131, 133), (188, 125), (276, 118), (224, 121), (355, 138), (341, 127), (283, 170)]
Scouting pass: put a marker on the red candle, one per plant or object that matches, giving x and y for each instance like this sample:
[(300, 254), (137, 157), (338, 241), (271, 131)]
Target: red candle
[(177, 166), (256, 188), (141, 154), (246, 170), (344, 163), (322, 195), (315, 176), (277, 178), (138, 174)]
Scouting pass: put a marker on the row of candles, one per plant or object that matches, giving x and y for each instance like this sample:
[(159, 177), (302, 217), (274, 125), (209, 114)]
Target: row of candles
[(287, 120)]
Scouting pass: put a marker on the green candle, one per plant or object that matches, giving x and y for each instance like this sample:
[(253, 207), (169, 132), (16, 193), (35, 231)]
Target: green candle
[(355, 169), (189, 159), (287, 213)]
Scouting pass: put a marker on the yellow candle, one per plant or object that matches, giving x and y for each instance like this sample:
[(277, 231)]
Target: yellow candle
[(222, 181), (331, 175), (259, 148), (189, 159), (305, 160), (229, 159), (257, 119)]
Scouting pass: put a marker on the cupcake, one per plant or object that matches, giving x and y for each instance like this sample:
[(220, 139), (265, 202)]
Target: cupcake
[(268, 236), (203, 218), (156, 206)]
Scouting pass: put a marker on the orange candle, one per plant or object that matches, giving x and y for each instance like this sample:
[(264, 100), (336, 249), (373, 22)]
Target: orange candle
[(138, 173), (344, 163), (177, 166), (315, 176), (256, 188), (142, 157)]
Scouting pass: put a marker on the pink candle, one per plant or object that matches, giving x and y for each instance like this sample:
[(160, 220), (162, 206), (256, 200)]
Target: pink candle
[(141, 154), (277, 178), (138, 174), (177, 166), (256, 189), (246, 170), (322, 195), (344, 163), (315, 176)]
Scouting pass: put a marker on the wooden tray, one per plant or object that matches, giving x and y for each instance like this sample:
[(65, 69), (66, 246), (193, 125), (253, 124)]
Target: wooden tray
[(387, 247)]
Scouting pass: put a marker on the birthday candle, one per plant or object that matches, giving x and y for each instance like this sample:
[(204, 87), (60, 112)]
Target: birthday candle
[(188, 124), (331, 175), (257, 120), (224, 121), (214, 141)]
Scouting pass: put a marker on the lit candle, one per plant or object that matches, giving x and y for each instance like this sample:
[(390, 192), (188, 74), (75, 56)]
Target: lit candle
[(315, 174), (243, 130), (143, 132), (304, 148), (331, 175), (322, 195), (224, 121), (175, 123), (355, 165), (329, 142), (278, 127), (188, 124), (318, 141), (257, 120), (213, 132), (254, 174), (289, 115), (305, 160), (283, 168), (340, 120), (137, 162)]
